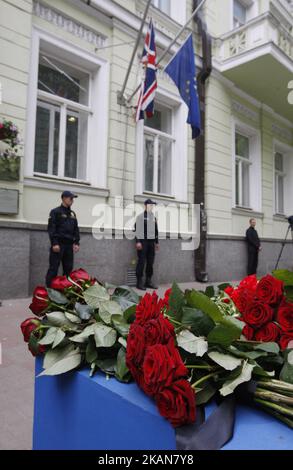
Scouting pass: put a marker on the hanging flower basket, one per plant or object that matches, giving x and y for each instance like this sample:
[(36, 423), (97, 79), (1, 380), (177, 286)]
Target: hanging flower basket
[(9, 159)]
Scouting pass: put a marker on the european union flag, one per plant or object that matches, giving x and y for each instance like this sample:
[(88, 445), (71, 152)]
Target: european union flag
[(182, 71)]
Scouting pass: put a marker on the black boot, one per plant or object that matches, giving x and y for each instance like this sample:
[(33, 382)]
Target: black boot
[(139, 284), (149, 284)]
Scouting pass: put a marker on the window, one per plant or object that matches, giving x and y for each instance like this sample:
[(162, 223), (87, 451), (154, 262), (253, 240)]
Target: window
[(62, 119), (163, 5), (158, 150), (279, 183), (242, 170), (239, 14)]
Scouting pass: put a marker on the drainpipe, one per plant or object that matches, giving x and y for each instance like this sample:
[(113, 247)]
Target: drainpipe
[(199, 178)]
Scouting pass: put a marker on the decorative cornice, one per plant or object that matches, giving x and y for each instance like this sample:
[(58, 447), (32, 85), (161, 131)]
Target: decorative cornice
[(282, 132), (244, 111), (67, 24)]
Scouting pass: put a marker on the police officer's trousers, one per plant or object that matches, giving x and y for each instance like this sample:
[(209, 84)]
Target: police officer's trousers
[(65, 256), (145, 256), (252, 260)]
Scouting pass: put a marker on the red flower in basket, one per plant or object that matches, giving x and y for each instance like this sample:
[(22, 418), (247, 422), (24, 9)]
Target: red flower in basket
[(285, 316), (28, 326), (268, 333)]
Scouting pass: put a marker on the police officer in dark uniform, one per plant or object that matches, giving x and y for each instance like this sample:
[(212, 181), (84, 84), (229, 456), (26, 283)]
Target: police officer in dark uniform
[(64, 236), (147, 243), (253, 246)]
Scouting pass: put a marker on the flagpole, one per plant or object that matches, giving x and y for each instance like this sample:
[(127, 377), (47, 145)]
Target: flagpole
[(120, 95), (171, 44)]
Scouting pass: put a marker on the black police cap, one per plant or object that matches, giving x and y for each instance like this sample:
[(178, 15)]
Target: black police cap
[(68, 194), (149, 201)]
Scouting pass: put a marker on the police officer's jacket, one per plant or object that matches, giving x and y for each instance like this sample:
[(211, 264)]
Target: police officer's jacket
[(252, 238), (146, 227), (63, 226)]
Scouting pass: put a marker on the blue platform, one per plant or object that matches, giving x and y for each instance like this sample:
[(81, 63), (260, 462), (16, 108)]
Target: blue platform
[(74, 411)]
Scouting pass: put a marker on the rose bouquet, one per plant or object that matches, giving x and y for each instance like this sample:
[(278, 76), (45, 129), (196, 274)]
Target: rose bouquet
[(186, 347)]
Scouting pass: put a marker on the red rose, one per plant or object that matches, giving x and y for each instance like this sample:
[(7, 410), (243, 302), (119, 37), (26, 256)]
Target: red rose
[(258, 314), (286, 340), (80, 275), (229, 290), (60, 283), (249, 282), (248, 332), (159, 330), (40, 301), (28, 326), (285, 316), (270, 290), (269, 332), (162, 366), (177, 403), (41, 350), (242, 298), (149, 308), (135, 346)]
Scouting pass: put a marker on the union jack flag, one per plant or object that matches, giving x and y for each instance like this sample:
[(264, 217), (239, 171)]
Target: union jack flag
[(149, 82)]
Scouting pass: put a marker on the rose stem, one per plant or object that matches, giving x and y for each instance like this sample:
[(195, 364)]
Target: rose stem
[(273, 396), (284, 410), (276, 385), (206, 377), (280, 417), (199, 367)]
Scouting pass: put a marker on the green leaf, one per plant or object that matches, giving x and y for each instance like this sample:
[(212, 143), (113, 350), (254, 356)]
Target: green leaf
[(34, 344), (54, 355), (121, 368), (129, 314), (96, 294), (84, 312), (286, 373), (244, 376), (64, 365), (224, 334), (105, 336), (223, 286), (205, 394), (201, 302), (109, 308), (126, 297), (120, 325), (191, 343), (72, 318), (200, 323), (123, 342), (268, 347), (57, 297), (49, 337), (210, 291), (284, 275), (84, 335), (107, 365), (60, 335), (91, 353), (59, 319), (289, 293), (227, 361), (176, 302)]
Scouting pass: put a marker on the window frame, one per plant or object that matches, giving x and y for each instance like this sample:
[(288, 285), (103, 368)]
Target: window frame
[(179, 168), (255, 170), (156, 134), (98, 97), (279, 174), (287, 152)]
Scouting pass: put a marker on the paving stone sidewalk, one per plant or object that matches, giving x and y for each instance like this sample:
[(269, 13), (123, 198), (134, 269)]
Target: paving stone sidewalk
[(17, 375)]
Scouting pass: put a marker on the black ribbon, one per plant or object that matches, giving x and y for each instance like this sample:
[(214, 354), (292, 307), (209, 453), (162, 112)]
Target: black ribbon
[(218, 429), (210, 434)]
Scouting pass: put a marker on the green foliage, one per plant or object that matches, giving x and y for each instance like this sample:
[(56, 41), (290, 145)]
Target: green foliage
[(176, 302)]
